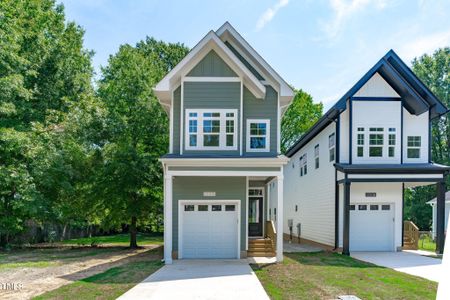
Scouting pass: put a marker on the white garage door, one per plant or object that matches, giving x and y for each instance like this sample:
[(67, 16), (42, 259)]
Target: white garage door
[(209, 230), (372, 227)]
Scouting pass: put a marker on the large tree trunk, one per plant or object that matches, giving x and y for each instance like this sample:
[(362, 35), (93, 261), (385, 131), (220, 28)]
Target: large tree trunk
[(133, 233)]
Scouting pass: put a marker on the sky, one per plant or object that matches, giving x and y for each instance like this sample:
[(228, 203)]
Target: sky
[(322, 47)]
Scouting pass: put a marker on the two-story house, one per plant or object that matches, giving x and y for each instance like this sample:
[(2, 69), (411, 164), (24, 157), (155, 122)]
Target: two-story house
[(345, 181), (225, 104)]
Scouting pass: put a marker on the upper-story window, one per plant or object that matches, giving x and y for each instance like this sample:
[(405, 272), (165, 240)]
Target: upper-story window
[(391, 142), (208, 129), (414, 144), (332, 146), (258, 135), (316, 156), (360, 142), (303, 162), (376, 141)]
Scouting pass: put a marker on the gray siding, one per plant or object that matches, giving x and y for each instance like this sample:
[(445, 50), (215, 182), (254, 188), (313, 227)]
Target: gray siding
[(176, 120), (212, 66), (220, 95), (261, 109), (192, 188)]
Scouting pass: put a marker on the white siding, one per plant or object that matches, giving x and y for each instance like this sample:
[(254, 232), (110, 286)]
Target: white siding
[(385, 114), (386, 193), (376, 86), (415, 126), (313, 193), (344, 137), (272, 200), (447, 213)]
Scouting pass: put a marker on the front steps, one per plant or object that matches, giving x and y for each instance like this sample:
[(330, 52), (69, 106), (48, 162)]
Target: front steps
[(260, 248)]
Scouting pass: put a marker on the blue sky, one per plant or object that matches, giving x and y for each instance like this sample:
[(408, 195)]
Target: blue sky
[(322, 47)]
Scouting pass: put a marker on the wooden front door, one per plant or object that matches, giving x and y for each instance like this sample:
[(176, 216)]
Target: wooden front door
[(255, 216)]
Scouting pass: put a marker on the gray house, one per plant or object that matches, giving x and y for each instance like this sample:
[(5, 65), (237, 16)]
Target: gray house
[(225, 103)]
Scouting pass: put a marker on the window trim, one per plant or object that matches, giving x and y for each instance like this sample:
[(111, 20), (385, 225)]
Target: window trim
[(332, 148), (267, 136), (317, 156), (303, 163), (408, 147), (222, 132)]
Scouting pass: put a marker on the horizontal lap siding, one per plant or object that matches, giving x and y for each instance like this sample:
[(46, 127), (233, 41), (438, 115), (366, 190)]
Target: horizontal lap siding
[(266, 108), (313, 193), (176, 120), (192, 188)]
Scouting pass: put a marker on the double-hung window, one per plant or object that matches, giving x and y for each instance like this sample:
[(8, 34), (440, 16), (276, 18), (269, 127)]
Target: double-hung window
[(332, 146), (360, 142), (303, 165), (376, 141), (391, 142), (211, 129), (258, 135), (316, 156), (414, 144)]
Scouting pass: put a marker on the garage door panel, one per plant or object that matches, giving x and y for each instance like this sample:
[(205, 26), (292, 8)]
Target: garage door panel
[(209, 233)]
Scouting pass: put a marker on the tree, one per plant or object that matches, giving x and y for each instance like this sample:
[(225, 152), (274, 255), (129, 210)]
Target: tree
[(44, 71), (129, 183), (299, 117), (434, 71)]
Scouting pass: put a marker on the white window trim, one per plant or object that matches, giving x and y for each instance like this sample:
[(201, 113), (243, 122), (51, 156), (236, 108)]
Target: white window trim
[(414, 147), (385, 147), (222, 133), (265, 121)]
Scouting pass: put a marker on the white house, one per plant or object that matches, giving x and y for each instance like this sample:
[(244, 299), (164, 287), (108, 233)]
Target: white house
[(447, 212), (344, 183)]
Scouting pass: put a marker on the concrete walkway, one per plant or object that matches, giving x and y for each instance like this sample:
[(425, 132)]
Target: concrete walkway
[(406, 262), (200, 279)]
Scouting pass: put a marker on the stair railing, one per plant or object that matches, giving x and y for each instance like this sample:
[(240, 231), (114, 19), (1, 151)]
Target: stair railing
[(271, 233), (411, 235)]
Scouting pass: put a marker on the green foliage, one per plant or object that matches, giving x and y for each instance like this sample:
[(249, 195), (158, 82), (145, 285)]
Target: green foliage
[(434, 71), (299, 117)]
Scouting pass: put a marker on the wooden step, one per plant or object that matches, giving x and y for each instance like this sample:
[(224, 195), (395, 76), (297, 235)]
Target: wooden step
[(260, 248), (260, 254)]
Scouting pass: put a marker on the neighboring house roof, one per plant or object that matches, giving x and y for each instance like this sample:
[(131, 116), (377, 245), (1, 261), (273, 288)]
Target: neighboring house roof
[(240, 65), (417, 98), (434, 200), (425, 168)]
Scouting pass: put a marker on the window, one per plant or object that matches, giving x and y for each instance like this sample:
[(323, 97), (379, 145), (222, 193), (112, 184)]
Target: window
[(391, 142), (362, 207), (352, 207), (230, 207), (316, 156), (189, 208), (203, 208), (303, 165), (332, 146), (255, 192), (385, 207), (216, 207), (373, 207), (211, 129), (258, 135), (296, 208), (360, 142), (376, 142), (414, 144)]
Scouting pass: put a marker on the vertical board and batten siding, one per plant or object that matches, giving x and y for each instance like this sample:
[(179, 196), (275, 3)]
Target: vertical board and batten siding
[(214, 95), (244, 61), (255, 108), (226, 188), (212, 66), (386, 193), (376, 86), (415, 126), (344, 143), (176, 103), (385, 114), (313, 193)]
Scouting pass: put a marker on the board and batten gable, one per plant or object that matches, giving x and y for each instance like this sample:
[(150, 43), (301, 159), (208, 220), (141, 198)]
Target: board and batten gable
[(212, 66), (313, 193)]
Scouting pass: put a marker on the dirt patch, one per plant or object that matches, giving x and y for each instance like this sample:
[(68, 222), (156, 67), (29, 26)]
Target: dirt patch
[(67, 266)]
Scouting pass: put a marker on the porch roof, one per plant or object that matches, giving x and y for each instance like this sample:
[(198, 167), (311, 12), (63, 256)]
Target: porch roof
[(423, 168)]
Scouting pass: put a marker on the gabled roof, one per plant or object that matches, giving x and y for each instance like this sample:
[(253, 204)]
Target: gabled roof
[(417, 98), (244, 66)]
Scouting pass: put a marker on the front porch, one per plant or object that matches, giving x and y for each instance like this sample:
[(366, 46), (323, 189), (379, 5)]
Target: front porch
[(226, 208)]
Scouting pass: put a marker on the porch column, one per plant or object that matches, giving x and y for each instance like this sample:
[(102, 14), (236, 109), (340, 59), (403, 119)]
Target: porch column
[(346, 235), (280, 218), (168, 219), (440, 217)]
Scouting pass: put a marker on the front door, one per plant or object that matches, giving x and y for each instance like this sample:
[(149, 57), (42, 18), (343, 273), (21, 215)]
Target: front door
[(255, 213)]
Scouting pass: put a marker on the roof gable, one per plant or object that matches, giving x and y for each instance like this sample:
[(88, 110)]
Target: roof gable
[(212, 65), (376, 86)]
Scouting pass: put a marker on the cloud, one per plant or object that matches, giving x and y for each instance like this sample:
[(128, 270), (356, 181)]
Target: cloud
[(343, 11), (268, 15), (424, 44)]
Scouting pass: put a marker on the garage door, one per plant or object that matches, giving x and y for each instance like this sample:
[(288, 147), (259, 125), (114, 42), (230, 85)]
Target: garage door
[(209, 230), (372, 227)]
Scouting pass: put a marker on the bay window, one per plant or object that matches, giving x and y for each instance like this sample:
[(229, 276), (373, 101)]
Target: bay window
[(258, 135), (211, 129)]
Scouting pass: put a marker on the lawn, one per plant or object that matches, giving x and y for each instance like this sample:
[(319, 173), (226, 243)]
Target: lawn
[(117, 240), (427, 244), (109, 284), (326, 275)]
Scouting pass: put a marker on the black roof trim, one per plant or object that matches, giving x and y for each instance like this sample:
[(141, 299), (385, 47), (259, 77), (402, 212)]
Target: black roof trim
[(425, 168), (417, 97)]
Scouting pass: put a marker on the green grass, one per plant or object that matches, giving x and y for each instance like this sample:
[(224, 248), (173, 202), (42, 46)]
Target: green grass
[(117, 240), (427, 244), (109, 284), (327, 275)]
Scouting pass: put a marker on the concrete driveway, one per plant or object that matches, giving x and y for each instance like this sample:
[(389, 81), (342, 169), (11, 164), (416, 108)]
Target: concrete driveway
[(200, 279), (406, 262)]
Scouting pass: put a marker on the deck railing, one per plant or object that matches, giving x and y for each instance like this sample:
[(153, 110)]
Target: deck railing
[(411, 236)]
